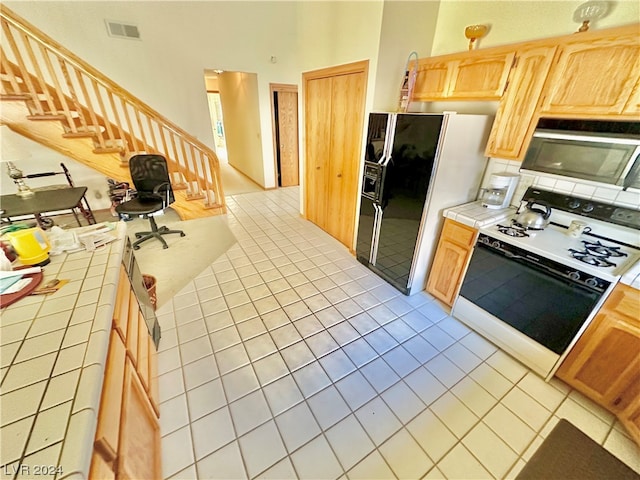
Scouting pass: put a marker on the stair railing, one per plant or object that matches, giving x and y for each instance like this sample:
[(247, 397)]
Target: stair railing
[(58, 85)]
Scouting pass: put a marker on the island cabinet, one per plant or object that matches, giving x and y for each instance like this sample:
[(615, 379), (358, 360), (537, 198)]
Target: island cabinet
[(127, 441), (604, 364), (451, 260), (475, 76), (516, 116), (594, 78)]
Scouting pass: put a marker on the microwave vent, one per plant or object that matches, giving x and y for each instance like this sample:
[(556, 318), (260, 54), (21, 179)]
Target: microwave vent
[(122, 30)]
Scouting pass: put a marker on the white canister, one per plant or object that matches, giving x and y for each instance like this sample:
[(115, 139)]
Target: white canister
[(577, 228)]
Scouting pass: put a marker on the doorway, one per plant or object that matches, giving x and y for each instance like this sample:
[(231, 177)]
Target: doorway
[(284, 121)]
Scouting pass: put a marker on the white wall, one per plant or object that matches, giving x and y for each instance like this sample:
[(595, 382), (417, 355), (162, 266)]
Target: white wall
[(239, 98), (517, 21)]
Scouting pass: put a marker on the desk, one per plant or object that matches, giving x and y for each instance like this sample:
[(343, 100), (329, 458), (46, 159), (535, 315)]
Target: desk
[(44, 201)]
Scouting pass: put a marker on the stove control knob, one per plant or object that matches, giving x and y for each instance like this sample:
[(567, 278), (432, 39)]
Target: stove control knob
[(588, 207), (496, 244), (574, 276), (485, 240), (592, 282), (574, 203)]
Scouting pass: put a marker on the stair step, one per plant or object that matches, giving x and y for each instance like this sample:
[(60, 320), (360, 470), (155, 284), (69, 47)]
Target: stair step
[(12, 97), (179, 186), (79, 135), (107, 150), (195, 196), (46, 117)]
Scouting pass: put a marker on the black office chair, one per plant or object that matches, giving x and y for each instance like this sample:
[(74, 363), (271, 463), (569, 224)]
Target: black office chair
[(154, 193)]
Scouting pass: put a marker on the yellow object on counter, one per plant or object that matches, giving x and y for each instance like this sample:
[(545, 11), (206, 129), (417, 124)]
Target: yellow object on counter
[(31, 245)]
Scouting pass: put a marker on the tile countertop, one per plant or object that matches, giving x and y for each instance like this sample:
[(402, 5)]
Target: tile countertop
[(632, 276), (53, 350), (475, 215)]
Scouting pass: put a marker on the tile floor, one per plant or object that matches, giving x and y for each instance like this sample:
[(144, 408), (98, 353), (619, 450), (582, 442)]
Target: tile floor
[(286, 358)]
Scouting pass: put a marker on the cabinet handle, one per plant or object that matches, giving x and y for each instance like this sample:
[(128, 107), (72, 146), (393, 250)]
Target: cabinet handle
[(317, 168), (339, 175), (617, 401)]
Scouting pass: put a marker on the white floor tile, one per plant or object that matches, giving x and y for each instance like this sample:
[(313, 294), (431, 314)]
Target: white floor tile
[(460, 463), (297, 355), (438, 338), (195, 349), (380, 374), (403, 401), (360, 352), (401, 361), (311, 379), (494, 454), (249, 412), (507, 366), (270, 368), (378, 420), (405, 457), (328, 407), (432, 435), (476, 398), (492, 381), (205, 399), (355, 390), (373, 467), (453, 413), (231, 358), (225, 464), (316, 460), (211, 432), (239, 382), (421, 350), (534, 414), (283, 470), (514, 431), (337, 365), (349, 441), (586, 421), (262, 448), (445, 370), (173, 414), (425, 385), (282, 394), (297, 426), (177, 451)]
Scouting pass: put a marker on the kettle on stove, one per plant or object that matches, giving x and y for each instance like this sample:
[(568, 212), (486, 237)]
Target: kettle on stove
[(532, 217)]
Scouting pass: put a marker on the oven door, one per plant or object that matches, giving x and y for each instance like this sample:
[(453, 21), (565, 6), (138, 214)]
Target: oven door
[(524, 305)]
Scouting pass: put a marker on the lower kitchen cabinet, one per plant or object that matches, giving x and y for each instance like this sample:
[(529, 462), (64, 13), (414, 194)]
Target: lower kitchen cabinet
[(604, 364), (127, 441), (451, 260)]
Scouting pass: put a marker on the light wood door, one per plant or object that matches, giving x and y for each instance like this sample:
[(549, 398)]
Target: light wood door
[(344, 161), (432, 80), (593, 78), (139, 452), (108, 429), (516, 116), (287, 118), (334, 116), (451, 260), (481, 78), (318, 149), (605, 363)]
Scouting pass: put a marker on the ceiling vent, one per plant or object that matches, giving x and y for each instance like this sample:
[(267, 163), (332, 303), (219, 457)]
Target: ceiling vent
[(122, 30)]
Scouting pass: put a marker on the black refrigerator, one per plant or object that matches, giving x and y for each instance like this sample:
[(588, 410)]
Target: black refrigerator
[(415, 166)]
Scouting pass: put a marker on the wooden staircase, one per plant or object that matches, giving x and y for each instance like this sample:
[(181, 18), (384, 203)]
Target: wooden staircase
[(51, 96)]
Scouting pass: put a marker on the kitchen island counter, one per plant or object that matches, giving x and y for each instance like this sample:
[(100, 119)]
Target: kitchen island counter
[(53, 355), (476, 216)]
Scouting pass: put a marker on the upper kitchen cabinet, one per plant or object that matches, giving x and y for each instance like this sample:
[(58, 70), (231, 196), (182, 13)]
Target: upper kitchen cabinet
[(633, 105), (515, 119), (594, 78), (466, 76)]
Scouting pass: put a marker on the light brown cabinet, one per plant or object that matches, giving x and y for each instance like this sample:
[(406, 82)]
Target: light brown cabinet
[(451, 260), (605, 362), (593, 78), (516, 116), (474, 76), (591, 75), (127, 441)]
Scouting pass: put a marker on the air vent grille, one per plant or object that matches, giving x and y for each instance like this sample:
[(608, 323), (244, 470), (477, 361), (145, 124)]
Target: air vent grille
[(122, 30)]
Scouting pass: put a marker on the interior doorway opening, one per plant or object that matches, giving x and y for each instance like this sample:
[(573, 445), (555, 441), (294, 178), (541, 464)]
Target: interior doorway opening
[(217, 122), (284, 113)]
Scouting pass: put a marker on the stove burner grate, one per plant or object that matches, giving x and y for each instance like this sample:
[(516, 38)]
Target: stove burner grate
[(597, 248), (591, 258), (514, 230)]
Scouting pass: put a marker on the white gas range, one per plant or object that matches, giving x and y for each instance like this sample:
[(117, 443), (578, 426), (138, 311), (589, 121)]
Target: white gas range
[(532, 292)]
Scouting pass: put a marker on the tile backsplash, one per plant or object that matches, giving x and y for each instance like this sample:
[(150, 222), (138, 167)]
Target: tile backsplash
[(629, 198)]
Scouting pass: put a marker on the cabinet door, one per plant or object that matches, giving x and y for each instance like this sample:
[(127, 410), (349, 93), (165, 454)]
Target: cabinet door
[(121, 307), (451, 260), (100, 469), (605, 363), (593, 78), (480, 78), (108, 429), (516, 119), (633, 105), (432, 80), (139, 452)]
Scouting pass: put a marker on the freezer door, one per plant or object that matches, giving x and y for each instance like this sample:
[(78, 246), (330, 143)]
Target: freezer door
[(408, 172)]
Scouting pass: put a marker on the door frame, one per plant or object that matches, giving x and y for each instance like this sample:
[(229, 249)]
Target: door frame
[(282, 87), (361, 66)]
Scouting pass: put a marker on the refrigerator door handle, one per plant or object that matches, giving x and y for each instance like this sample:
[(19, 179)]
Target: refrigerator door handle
[(377, 224)]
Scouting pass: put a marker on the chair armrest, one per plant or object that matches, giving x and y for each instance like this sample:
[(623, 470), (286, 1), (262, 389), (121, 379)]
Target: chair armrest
[(165, 198)]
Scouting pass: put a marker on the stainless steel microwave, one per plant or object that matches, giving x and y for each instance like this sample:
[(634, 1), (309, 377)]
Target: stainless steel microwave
[(602, 158)]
